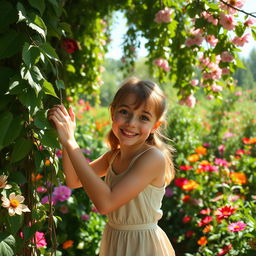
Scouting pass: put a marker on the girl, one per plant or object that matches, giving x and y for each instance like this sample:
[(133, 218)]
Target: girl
[(137, 168)]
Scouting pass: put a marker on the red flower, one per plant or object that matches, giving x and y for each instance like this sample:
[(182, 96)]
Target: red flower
[(186, 219), (205, 221), (180, 182), (186, 167), (205, 211), (189, 233), (70, 45), (224, 212), (225, 250)]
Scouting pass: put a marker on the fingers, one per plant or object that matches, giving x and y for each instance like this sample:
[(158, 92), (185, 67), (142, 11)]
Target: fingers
[(71, 114), (60, 109)]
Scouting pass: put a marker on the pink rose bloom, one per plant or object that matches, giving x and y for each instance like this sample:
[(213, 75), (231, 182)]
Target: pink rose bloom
[(194, 82), (240, 41), (163, 15), (191, 101), (249, 22), (226, 57), (227, 21), (212, 40), (216, 88), (162, 63), (236, 226), (225, 71), (210, 97)]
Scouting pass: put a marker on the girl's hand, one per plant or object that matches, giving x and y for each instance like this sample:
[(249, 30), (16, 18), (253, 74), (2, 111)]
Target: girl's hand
[(64, 122)]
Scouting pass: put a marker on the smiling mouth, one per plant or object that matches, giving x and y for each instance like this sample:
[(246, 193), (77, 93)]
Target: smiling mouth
[(128, 134)]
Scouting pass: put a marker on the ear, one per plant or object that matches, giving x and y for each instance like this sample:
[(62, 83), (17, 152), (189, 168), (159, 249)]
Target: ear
[(157, 124)]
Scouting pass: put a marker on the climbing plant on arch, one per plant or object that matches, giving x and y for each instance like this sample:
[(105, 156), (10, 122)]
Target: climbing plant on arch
[(51, 49)]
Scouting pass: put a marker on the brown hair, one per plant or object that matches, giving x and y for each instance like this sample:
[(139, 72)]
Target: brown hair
[(143, 90)]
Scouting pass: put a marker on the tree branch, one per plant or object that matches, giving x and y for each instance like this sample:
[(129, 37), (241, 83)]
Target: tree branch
[(240, 10)]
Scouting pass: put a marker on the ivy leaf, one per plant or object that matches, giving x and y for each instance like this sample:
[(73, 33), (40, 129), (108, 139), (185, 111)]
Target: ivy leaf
[(37, 24), (5, 121), (60, 84), (38, 4), (30, 54), (21, 148), (49, 51), (11, 43), (48, 89), (7, 243), (33, 76), (8, 16), (5, 75), (21, 12), (40, 120), (49, 139), (254, 34)]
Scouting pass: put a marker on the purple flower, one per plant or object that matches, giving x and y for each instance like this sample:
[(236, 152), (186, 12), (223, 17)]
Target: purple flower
[(61, 193), (168, 192)]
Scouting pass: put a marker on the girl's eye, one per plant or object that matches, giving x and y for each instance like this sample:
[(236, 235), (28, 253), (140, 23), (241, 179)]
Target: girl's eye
[(144, 118), (123, 111)]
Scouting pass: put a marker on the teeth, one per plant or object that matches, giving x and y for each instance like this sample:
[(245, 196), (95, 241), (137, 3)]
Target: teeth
[(129, 133)]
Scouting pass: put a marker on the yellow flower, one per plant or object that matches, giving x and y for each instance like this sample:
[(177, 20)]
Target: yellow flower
[(190, 185), (14, 204), (3, 182)]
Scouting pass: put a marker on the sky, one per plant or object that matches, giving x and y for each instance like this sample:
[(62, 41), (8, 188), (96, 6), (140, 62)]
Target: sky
[(119, 29)]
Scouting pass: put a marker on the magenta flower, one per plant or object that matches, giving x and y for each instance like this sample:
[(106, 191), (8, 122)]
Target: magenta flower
[(168, 192), (61, 193), (40, 240), (236, 226), (224, 212), (221, 162)]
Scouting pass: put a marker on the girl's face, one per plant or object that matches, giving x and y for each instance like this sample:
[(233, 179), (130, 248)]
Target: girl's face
[(132, 125)]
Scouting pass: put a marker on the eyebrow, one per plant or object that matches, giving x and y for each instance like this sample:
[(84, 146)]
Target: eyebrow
[(144, 111)]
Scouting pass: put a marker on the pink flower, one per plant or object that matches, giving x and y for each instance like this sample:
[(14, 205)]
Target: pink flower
[(162, 63), (236, 226), (249, 22), (163, 15), (216, 88), (228, 135), (227, 21), (221, 162), (61, 193), (221, 148), (212, 40), (64, 209), (210, 97), (85, 217), (236, 3), (205, 211), (240, 41), (41, 189), (226, 57), (191, 101), (209, 18), (225, 71), (239, 93), (194, 82), (40, 240)]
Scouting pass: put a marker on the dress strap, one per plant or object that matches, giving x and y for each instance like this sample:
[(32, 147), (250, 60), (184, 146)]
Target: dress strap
[(113, 157), (137, 156)]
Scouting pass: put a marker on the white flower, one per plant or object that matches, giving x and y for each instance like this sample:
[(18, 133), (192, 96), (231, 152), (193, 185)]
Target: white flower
[(14, 204), (3, 182)]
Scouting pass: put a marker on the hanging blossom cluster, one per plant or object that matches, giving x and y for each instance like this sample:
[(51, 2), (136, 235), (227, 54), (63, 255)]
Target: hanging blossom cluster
[(214, 67)]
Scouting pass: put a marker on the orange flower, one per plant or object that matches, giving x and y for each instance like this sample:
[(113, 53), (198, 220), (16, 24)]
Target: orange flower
[(238, 178), (185, 198), (201, 150), (37, 177), (202, 240), (193, 158), (190, 185), (207, 229), (47, 162), (67, 244)]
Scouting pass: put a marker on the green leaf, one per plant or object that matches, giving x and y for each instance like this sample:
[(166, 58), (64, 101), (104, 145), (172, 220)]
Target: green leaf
[(49, 139), (11, 43), (7, 243), (21, 12), (13, 130), (33, 76), (49, 51), (21, 148), (8, 16), (41, 121), (5, 121), (15, 223), (18, 177), (30, 54), (5, 75), (48, 89), (240, 64), (60, 84), (38, 4), (37, 24), (254, 34), (29, 99), (17, 85)]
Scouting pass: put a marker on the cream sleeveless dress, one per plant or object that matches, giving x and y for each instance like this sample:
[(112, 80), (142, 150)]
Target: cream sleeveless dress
[(132, 229)]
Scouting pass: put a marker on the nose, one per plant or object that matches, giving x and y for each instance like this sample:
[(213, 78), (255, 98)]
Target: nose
[(131, 120)]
